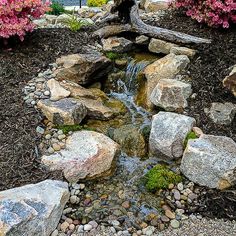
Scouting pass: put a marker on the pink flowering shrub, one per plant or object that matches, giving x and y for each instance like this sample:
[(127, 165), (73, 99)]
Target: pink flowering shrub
[(216, 13), (16, 16)]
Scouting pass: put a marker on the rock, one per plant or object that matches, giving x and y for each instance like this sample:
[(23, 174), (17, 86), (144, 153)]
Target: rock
[(170, 214), (210, 161), (83, 68), (174, 224), (168, 133), (183, 51), (87, 227), (222, 113), (165, 68), (142, 40), (33, 209), (115, 44), (160, 46), (56, 90), (197, 131), (88, 154), (155, 5), (50, 18), (62, 18), (171, 94), (41, 23), (131, 140), (67, 111), (230, 81)]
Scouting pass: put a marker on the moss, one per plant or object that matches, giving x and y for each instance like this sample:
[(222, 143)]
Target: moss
[(114, 55), (190, 135), (159, 177), (117, 106)]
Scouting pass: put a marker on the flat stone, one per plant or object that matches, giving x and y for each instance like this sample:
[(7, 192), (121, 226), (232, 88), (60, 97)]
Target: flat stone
[(87, 155), (171, 94), (222, 113), (33, 209), (142, 40), (67, 111), (230, 81), (160, 46), (210, 161), (167, 67), (183, 51), (168, 133), (56, 90), (83, 68), (170, 214), (115, 44)]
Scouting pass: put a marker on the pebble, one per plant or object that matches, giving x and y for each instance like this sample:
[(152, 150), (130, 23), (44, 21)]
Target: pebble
[(93, 223), (46, 93), (180, 186), (177, 195), (170, 214), (64, 226), (40, 130), (48, 136), (87, 227), (50, 150), (73, 199), (56, 147), (55, 233), (174, 224)]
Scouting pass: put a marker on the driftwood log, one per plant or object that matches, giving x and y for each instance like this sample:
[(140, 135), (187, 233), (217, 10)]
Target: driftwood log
[(128, 13)]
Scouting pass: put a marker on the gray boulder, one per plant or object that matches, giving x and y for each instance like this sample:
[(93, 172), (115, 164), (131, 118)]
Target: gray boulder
[(88, 155), (210, 161), (171, 94), (33, 209), (115, 44), (168, 133), (67, 111)]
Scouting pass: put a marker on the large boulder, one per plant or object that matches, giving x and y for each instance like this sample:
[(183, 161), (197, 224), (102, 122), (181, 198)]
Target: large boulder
[(33, 209), (230, 81), (160, 46), (165, 68), (57, 92), (88, 155), (83, 68), (67, 111), (115, 44), (155, 5), (131, 140), (168, 133), (210, 161), (171, 94), (222, 113)]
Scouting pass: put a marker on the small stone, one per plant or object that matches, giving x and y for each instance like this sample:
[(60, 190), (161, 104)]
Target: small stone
[(55, 233), (93, 223), (46, 93), (80, 228), (60, 132), (61, 136), (73, 199), (192, 196), (56, 147), (165, 219), (82, 186), (170, 214), (64, 226), (177, 195), (126, 204), (72, 227), (48, 136), (180, 186), (197, 131), (87, 227), (171, 186), (67, 210), (40, 130), (174, 224), (143, 225), (50, 150)]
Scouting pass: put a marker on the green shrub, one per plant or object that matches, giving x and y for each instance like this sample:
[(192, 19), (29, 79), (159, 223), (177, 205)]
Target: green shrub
[(159, 177), (75, 24), (57, 8), (96, 3), (113, 55), (190, 135)]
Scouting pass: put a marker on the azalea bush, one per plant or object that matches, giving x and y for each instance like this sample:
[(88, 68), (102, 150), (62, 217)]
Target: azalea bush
[(216, 13), (16, 16)]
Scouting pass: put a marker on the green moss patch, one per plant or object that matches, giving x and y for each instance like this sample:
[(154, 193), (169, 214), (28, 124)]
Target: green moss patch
[(190, 135), (159, 177)]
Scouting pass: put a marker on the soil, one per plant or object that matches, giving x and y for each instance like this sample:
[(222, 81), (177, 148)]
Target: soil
[(19, 62)]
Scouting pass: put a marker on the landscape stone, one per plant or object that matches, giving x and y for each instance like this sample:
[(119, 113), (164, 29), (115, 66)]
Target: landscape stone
[(210, 161), (171, 94), (56, 90), (230, 81), (183, 51), (142, 40), (155, 5), (88, 155), (67, 111), (83, 68), (168, 133), (160, 46), (33, 209), (118, 45)]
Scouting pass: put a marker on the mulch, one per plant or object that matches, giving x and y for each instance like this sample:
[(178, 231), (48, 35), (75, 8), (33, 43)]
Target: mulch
[(19, 62)]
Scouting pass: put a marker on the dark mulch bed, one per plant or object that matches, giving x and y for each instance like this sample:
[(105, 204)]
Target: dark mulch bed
[(18, 138), (208, 69)]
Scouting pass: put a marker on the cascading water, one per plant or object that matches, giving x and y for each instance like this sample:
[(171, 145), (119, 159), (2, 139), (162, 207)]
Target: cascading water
[(128, 88)]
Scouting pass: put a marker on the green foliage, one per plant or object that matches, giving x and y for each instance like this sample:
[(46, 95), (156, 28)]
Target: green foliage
[(74, 23), (96, 3), (159, 177), (57, 8), (67, 128), (190, 135), (113, 55)]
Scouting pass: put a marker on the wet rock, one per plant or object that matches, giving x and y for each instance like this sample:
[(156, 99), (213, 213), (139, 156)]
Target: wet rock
[(230, 81), (160, 46), (171, 94), (142, 40), (155, 5), (115, 44), (88, 154), (83, 68), (222, 113), (210, 161), (165, 68), (183, 51), (67, 111), (56, 90), (32, 209), (131, 140), (168, 133)]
